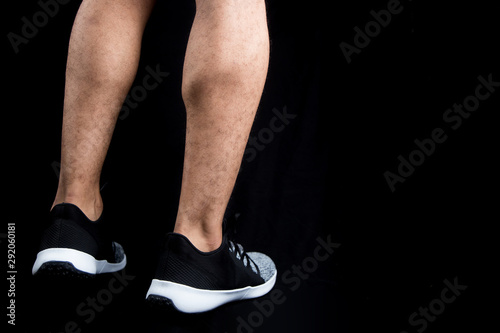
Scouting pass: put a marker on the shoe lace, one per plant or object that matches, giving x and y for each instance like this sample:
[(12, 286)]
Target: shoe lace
[(243, 256), (229, 230)]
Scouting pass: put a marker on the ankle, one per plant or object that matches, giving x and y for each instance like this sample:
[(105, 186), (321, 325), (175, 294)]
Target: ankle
[(201, 239), (89, 202)]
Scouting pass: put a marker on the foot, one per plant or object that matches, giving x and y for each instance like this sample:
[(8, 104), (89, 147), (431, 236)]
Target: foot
[(74, 245), (193, 281)]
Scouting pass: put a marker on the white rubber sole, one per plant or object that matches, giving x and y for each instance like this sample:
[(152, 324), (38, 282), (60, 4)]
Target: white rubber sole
[(82, 261), (192, 300)]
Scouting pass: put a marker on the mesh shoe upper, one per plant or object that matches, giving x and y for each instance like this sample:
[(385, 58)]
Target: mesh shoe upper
[(70, 228), (223, 269)]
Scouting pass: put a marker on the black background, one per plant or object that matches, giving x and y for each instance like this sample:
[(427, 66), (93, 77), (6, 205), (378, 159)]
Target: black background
[(322, 176)]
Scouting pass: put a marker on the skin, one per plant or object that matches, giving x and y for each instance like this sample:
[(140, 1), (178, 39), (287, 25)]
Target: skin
[(224, 74)]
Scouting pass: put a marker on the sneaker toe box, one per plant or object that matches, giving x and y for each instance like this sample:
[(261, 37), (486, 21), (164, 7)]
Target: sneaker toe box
[(266, 265)]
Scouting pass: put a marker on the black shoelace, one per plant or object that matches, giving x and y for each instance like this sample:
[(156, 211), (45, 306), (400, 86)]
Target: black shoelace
[(243, 256), (228, 229)]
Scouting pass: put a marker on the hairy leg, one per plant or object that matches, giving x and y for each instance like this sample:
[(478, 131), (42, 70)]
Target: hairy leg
[(224, 74), (103, 56)]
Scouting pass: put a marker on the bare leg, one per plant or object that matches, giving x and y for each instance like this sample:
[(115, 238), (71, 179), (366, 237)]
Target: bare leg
[(224, 74), (103, 57)]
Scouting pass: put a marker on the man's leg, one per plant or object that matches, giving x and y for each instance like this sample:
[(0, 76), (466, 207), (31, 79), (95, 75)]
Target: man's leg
[(103, 57), (224, 74)]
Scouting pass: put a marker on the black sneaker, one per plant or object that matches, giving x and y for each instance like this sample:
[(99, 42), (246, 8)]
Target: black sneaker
[(76, 246), (193, 281)]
